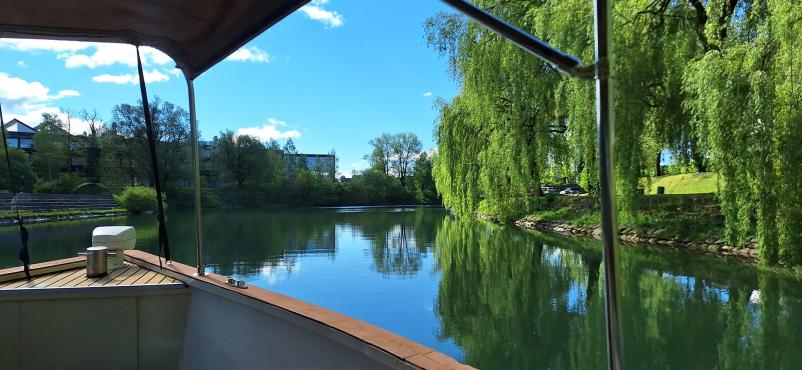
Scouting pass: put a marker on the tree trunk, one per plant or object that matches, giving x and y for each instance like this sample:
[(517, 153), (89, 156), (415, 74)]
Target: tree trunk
[(658, 169), (698, 159)]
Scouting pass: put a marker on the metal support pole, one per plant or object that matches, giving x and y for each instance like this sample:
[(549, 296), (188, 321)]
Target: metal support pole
[(196, 179), (604, 121), (564, 62)]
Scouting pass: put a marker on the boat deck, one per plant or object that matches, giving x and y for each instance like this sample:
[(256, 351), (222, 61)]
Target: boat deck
[(76, 277)]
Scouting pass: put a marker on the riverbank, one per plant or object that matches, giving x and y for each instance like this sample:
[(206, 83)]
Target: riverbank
[(658, 237), (8, 218)]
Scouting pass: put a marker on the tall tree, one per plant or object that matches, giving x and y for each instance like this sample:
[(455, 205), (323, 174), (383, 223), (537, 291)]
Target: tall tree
[(241, 158), (51, 147), (171, 132), (23, 176), (382, 149), (93, 153), (405, 148), (425, 191)]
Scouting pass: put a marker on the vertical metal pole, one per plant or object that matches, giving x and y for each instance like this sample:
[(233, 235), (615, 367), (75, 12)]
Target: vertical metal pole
[(196, 180), (604, 121)]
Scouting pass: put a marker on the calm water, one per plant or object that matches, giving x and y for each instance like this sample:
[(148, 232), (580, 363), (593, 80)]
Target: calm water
[(493, 297)]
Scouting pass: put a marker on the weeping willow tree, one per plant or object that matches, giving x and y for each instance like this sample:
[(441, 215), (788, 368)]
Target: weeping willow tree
[(716, 83), (746, 103)]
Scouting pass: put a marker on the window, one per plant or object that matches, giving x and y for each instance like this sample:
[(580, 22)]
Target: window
[(12, 143), (26, 143)]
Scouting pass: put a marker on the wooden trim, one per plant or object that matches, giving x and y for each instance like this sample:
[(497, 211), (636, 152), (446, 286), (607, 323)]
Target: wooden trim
[(43, 268), (401, 348)]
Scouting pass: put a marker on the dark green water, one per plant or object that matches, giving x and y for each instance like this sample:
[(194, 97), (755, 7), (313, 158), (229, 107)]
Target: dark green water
[(493, 297)]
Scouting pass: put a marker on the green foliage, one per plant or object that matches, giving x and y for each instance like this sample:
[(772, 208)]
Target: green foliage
[(394, 154), (60, 213), (425, 190), (137, 199), (20, 166), (52, 151), (715, 83), (65, 184)]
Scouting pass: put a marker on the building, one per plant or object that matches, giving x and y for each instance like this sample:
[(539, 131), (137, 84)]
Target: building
[(322, 164), (20, 135)]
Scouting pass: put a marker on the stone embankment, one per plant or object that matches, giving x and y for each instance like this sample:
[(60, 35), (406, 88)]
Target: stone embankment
[(656, 237)]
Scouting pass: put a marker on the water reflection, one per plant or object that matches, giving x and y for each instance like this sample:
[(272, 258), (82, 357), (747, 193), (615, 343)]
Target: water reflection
[(497, 298), (519, 302)]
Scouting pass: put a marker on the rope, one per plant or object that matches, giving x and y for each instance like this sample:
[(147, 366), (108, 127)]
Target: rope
[(23, 255), (164, 244)]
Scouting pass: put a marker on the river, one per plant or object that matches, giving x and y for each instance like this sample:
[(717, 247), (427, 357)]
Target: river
[(493, 297)]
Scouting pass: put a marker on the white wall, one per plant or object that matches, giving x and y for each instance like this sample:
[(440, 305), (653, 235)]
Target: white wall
[(117, 332)]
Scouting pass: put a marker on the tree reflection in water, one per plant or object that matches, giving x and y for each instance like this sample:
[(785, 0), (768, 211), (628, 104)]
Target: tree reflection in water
[(507, 299), (512, 300)]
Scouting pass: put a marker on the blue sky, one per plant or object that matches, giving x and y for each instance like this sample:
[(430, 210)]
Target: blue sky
[(332, 76)]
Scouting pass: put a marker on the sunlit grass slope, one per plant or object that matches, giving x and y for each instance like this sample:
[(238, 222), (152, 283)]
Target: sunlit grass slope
[(687, 183)]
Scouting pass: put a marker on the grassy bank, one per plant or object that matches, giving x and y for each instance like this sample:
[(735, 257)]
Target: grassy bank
[(60, 213), (686, 183)]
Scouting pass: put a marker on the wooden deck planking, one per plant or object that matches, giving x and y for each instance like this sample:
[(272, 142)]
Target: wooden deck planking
[(106, 278), (116, 280), (156, 279), (131, 279), (145, 278), (76, 277), (60, 282)]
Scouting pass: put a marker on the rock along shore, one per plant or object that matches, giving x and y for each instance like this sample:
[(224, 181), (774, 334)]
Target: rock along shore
[(656, 237)]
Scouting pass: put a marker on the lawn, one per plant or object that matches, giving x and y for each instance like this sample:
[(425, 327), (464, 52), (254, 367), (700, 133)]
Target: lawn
[(688, 183)]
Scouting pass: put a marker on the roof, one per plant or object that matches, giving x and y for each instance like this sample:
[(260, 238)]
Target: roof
[(18, 126), (197, 34)]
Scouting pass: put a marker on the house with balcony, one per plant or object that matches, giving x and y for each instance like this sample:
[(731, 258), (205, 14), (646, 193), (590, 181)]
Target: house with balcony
[(19, 135)]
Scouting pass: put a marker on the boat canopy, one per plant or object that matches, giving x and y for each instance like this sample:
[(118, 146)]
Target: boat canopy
[(197, 34)]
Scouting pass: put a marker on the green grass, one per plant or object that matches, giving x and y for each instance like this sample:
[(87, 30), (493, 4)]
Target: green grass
[(60, 213), (688, 183)]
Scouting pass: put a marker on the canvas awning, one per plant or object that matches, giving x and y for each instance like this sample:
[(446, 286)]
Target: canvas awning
[(197, 34)]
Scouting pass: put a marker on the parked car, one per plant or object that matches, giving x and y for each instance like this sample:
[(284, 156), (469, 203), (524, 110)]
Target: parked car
[(548, 190), (572, 191)]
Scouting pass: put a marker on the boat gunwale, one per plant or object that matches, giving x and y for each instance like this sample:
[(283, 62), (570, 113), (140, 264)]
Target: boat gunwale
[(42, 268), (376, 343), (346, 330)]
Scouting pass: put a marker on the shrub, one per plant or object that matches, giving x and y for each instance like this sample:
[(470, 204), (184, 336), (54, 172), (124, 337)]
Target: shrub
[(137, 199), (63, 185)]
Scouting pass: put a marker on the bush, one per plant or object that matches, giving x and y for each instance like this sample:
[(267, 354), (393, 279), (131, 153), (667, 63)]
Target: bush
[(63, 185), (184, 197), (137, 199)]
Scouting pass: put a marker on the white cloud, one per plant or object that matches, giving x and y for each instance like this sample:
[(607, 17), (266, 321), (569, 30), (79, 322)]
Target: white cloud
[(22, 64), (269, 131), (275, 122), (26, 101), (131, 78), (16, 91), (315, 10), (175, 72), (427, 94), (43, 45), (89, 54), (250, 54), (111, 54), (67, 93)]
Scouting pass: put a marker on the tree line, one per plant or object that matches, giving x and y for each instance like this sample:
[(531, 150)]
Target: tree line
[(237, 170), (715, 83)]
